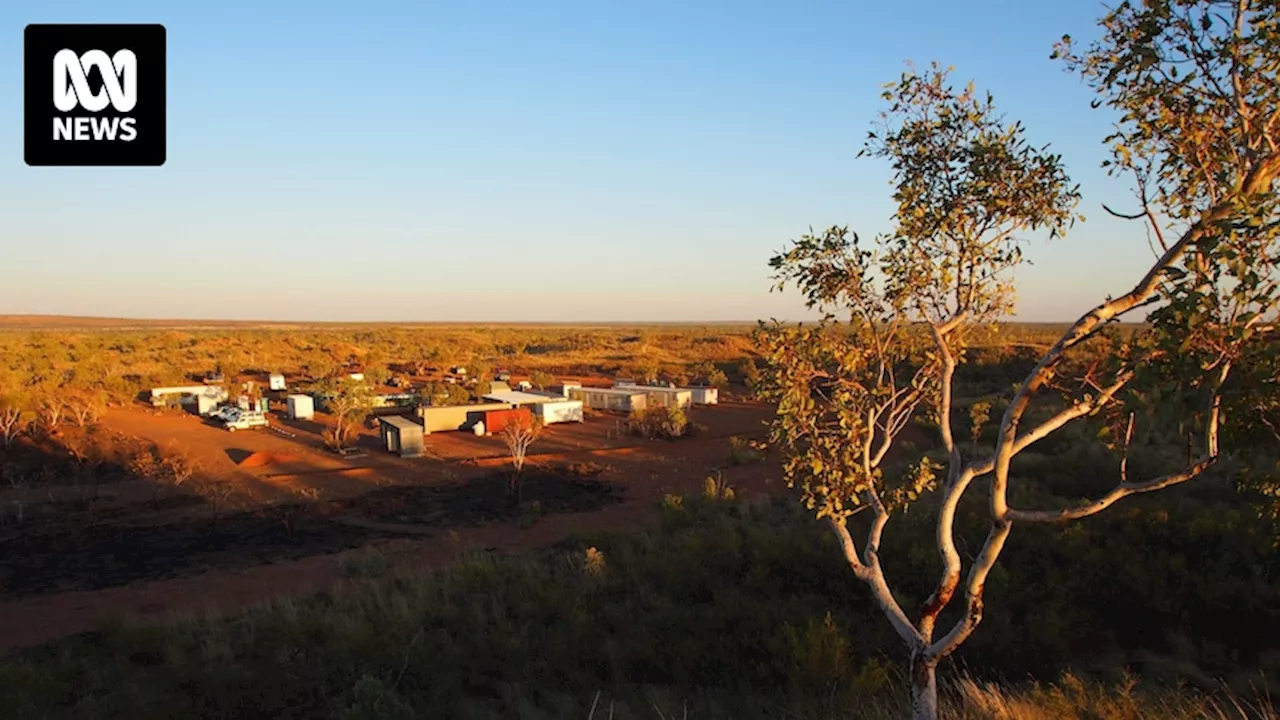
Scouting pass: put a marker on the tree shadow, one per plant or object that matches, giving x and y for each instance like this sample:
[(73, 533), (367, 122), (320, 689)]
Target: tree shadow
[(571, 488)]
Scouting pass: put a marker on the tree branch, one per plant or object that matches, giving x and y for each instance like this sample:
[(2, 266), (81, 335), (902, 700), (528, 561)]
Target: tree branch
[(975, 586), (1122, 491), (871, 573)]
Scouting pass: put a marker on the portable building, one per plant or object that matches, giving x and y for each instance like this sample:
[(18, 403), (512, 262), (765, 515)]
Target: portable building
[(524, 385), (569, 387), (615, 399), (515, 397), (496, 420), (401, 435), (205, 405), (623, 382), (558, 411), (705, 395), (276, 381), (443, 418), (301, 407), (666, 396), (187, 394)]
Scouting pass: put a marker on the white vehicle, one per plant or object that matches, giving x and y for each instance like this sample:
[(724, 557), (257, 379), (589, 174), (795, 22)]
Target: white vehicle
[(243, 420), (224, 412)]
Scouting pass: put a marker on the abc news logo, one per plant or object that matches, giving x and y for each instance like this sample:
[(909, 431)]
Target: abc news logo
[(108, 101)]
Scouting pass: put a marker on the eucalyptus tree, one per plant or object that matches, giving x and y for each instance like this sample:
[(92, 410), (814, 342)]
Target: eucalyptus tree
[(1194, 86)]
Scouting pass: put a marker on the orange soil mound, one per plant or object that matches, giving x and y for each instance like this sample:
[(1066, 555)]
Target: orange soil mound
[(259, 459)]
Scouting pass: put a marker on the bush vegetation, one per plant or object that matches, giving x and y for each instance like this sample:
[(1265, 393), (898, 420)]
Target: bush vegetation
[(737, 608), (664, 423)]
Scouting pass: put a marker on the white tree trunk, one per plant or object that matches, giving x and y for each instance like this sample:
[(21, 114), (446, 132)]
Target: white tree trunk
[(924, 692)]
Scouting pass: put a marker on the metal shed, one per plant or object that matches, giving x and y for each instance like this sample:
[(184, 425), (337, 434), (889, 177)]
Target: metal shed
[(615, 399), (205, 405), (301, 407), (444, 418), (401, 435), (705, 395)]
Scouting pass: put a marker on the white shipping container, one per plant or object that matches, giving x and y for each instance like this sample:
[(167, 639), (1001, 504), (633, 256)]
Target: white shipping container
[(301, 407), (705, 395), (563, 411), (205, 404)]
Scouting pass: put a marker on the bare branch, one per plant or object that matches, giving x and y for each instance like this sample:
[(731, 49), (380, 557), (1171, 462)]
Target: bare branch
[(1122, 491), (1124, 216)]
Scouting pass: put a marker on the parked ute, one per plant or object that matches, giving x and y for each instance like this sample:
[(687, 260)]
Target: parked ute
[(242, 420), (223, 413)]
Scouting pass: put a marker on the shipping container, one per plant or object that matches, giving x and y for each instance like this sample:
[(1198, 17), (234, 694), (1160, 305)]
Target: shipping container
[(401, 436), (205, 405), (300, 407), (705, 395), (496, 420)]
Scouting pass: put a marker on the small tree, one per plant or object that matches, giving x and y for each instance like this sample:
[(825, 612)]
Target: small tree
[(541, 379), (13, 408), (217, 493), (50, 406), (85, 405), (176, 468), (519, 435), (437, 393), (1195, 82), (349, 401)]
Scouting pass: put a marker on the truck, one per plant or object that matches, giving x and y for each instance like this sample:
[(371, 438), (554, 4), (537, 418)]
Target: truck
[(245, 420)]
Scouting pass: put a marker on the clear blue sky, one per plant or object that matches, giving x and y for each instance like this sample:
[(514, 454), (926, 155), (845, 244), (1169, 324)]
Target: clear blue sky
[(518, 160)]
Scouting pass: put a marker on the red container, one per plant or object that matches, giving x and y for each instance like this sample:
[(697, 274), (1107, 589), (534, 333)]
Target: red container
[(496, 420)]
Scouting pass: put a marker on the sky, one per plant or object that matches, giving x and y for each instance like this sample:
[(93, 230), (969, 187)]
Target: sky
[(514, 161)]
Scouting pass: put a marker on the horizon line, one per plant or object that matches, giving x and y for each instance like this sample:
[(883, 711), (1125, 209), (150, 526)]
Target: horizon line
[(13, 321)]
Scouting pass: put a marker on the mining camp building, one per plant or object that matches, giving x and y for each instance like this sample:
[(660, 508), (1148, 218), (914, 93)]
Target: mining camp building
[(401, 435)]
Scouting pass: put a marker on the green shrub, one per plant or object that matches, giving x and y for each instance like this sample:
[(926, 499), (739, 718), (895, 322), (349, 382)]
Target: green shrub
[(744, 451), (665, 423)]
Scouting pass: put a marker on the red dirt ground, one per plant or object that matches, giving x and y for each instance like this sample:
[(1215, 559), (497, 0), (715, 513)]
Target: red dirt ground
[(268, 469)]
